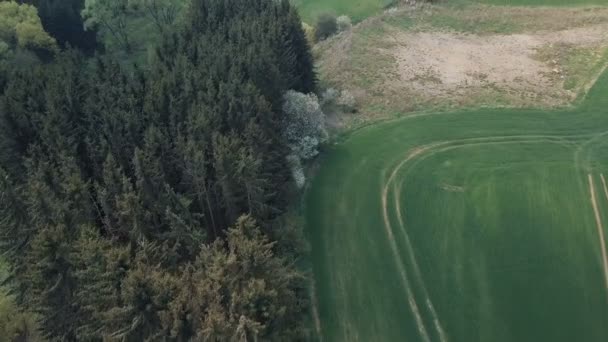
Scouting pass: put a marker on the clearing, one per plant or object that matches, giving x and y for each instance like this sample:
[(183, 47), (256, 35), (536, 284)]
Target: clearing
[(447, 57), (472, 224)]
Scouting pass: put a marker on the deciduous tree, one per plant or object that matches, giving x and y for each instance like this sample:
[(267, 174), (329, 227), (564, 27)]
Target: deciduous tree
[(20, 26)]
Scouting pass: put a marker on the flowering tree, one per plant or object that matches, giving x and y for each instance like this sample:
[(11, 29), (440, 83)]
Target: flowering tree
[(304, 129), (304, 124)]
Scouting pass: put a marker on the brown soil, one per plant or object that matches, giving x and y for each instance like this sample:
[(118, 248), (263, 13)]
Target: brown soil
[(417, 60), (451, 64)]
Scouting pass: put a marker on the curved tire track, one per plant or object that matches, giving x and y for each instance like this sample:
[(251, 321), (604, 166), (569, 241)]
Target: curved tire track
[(426, 151)]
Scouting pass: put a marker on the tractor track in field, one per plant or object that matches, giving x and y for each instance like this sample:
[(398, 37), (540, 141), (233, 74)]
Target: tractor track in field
[(578, 161), (418, 275), (600, 226), (389, 231), (418, 154), (315, 311), (427, 151)]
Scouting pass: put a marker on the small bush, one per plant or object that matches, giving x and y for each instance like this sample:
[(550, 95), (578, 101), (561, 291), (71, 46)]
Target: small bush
[(347, 101), (326, 26), (344, 23), (330, 96), (338, 101)]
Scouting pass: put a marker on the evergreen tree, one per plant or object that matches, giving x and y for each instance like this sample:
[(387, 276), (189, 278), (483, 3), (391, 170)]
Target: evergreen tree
[(242, 293), (101, 267), (118, 187)]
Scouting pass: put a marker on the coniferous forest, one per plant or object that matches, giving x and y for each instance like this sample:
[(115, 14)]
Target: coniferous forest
[(149, 201)]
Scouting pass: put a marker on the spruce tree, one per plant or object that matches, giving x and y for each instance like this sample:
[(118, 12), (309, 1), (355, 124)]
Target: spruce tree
[(119, 186)]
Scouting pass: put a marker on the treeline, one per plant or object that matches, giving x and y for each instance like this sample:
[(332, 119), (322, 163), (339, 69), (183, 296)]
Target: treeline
[(147, 204)]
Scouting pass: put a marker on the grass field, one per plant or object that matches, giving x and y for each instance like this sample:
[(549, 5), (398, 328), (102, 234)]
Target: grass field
[(466, 226), (445, 58), (544, 2), (356, 9), (361, 9)]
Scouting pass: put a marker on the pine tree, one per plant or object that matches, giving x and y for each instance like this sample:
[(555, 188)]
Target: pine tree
[(118, 187), (244, 292), (145, 295), (51, 283), (101, 267)]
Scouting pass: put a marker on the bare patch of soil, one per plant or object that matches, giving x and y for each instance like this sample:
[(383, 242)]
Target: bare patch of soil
[(441, 58), (454, 64)]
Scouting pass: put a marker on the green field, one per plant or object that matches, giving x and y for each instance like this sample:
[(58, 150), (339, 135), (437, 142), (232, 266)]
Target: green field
[(356, 9), (361, 9), (466, 226), (544, 2)]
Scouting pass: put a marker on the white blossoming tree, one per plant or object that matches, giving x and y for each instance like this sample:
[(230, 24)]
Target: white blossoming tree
[(304, 129), (304, 124)]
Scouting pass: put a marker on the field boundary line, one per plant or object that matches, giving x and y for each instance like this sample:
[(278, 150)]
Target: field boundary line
[(593, 80), (599, 225)]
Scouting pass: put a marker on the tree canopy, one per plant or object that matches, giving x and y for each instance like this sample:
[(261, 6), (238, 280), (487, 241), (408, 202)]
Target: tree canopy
[(21, 26), (141, 205), (62, 20)]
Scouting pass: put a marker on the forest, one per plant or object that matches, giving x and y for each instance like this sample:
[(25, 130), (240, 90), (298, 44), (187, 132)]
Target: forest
[(147, 158)]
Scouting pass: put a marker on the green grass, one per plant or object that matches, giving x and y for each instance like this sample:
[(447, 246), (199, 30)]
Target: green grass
[(575, 62), (544, 2), (356, 9), (361, 9), (488, 218)]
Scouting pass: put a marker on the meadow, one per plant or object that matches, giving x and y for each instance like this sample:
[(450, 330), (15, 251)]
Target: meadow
[(449, 57), (356, 9), (465, 226), (544, 2), (442, 223), (361, 9)]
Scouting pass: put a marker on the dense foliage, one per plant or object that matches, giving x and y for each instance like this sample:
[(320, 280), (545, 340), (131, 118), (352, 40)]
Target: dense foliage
[(141, 205), (22, 38), (20, 26), (62, 20), (127, 29), (304, 124), (326, 26)]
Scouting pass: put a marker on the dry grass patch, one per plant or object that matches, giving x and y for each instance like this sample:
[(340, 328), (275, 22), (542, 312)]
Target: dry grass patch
[(575, 65)]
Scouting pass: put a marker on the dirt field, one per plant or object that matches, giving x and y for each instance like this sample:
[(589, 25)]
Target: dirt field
[(442, 58), (456, 64)]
